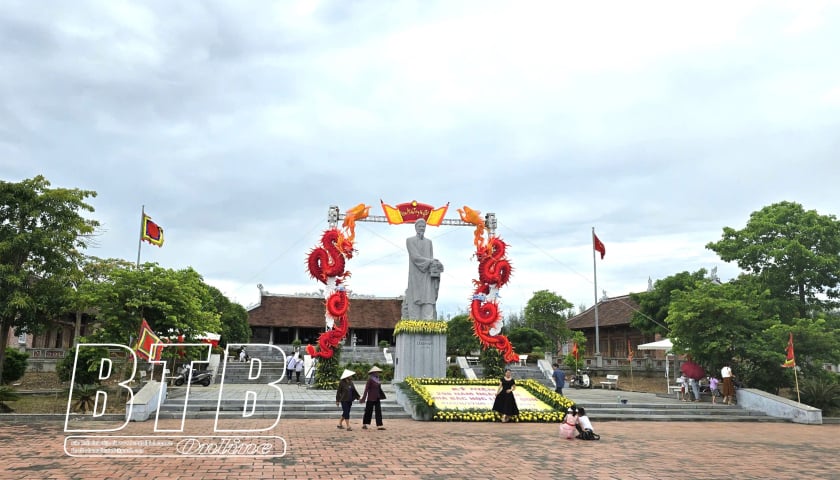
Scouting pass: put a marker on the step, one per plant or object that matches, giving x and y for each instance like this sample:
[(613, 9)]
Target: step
[(268, 409)]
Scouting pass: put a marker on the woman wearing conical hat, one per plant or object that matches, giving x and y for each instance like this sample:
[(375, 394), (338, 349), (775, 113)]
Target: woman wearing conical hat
[(371, 398), (346, 395)]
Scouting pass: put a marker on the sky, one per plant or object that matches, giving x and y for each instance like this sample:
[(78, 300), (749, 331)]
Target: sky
[(236, 125)]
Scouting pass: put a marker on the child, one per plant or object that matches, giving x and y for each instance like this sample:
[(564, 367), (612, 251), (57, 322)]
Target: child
[(586, 425), (683, 381), (567, 427), (713, 387)]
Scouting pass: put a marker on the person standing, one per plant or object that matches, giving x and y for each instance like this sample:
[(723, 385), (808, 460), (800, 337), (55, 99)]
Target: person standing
[(728, 390), (505, 402), (423, 275), (695, 388), (713, 387), (290, 367), (298, 368), (371, 397), (559, 379), (683, 382), (346, 395)]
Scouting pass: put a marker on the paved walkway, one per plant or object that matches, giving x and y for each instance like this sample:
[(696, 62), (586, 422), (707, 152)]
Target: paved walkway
[(315, 449)]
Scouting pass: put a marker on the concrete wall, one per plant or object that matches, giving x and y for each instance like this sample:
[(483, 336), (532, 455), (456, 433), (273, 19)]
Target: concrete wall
[(145, 402), (420, 355), (775, 406)]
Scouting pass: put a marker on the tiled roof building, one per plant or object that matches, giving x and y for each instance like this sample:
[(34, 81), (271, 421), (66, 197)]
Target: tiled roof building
[(280, 319), (614, 330)]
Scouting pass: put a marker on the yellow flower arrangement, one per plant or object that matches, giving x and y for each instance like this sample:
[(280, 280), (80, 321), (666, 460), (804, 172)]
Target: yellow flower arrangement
[(558, 402), (420, 326)]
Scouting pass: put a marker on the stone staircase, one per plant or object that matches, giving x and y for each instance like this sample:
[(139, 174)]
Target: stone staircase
[(687, 412), (301, 402), (318, 405)]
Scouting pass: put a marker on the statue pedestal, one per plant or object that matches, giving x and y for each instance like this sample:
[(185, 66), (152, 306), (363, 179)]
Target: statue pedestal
[(420, 355)]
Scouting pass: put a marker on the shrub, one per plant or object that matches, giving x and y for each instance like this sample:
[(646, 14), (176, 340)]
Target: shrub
[(15, 365), (7, 394), (493, 363), (384, 344), (820, 393), (87, 368)]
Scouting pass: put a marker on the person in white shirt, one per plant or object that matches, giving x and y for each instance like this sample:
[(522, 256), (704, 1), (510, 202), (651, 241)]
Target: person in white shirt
[(583, 420), (683, 382), (290, 367), (728, 389)]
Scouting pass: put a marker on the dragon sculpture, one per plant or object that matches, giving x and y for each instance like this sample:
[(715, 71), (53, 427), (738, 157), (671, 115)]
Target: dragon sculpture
[(494, 270), (326, 264), (468, 215)]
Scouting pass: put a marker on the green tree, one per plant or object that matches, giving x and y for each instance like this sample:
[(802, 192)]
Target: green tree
[(548, 312), (654, 305), (717, 324), (171, 301), (527, 339), (492, 362), (460, 336), (15, 365), (233, 318), (793, 252), (83, 281), (87, 367), (515, 320), (42, 235), (570, 361)]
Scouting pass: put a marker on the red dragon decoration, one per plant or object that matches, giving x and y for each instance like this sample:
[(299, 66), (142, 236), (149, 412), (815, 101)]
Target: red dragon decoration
[(326, 264), (494, 272)]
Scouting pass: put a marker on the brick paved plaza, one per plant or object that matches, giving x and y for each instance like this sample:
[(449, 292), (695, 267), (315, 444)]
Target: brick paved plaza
[(431, 450)]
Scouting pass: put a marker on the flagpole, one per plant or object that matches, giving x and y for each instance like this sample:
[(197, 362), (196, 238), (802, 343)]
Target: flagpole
[(140, 238), (796, 379), (595, 276)]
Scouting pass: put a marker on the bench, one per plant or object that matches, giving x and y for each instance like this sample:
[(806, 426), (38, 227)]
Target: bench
[(675, 389), (611, 381), (472, 360)]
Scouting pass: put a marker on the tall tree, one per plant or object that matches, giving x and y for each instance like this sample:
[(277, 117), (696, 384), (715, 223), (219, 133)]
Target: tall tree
[(548, 312), (718, 323), (654, 304), (171, 301), (794, 252), (42, 236), (233, 318), (460, 337), (83, 282)]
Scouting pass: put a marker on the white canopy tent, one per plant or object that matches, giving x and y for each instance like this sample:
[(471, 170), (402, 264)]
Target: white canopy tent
[(665, 345)]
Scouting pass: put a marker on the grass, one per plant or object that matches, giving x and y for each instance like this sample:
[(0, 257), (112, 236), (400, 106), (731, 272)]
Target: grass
[(56, 403)]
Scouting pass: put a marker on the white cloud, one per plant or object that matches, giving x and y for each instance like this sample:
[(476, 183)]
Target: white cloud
[(238, 124)]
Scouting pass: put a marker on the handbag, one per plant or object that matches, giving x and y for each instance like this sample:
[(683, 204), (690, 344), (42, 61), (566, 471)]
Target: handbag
[(381, 393)]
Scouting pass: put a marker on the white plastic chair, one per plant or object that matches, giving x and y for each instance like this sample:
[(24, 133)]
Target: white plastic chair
[(523, 359)]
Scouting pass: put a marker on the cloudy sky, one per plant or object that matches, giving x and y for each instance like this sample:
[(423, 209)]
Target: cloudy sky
[(237, 124)]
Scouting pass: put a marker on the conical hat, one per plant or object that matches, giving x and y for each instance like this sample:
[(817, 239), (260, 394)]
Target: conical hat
[(374, 370), (347, 373)]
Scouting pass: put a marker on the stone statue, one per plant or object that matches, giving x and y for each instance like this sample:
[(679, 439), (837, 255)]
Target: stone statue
[(423, 276)]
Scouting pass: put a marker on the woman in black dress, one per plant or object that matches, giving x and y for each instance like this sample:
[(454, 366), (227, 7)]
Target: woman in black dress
[(505, 403)]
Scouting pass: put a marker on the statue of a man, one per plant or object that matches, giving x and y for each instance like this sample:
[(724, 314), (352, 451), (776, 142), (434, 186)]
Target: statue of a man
[(423, 276)]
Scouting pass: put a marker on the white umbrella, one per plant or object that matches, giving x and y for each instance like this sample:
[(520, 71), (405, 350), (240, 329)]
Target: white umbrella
[(665, 345)]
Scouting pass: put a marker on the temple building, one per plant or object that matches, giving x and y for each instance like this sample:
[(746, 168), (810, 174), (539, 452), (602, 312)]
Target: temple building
[(279, 319)]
